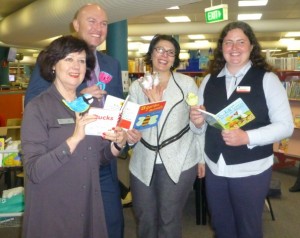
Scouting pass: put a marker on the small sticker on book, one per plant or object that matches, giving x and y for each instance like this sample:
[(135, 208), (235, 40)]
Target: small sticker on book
[(243, 89)]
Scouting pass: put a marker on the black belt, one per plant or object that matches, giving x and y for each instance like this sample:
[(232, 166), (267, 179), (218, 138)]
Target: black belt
[(167, 141)]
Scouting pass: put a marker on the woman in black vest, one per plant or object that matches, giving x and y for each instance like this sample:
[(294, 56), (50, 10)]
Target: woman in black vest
[(239, 157)]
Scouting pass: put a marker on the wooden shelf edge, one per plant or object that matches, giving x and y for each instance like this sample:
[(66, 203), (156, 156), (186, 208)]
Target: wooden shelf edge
[(285, 160)]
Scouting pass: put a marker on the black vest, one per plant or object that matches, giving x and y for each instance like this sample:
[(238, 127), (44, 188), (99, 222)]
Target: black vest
[(215, 99)]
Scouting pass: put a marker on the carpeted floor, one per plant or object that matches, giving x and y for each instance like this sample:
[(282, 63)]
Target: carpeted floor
[(286, 210)]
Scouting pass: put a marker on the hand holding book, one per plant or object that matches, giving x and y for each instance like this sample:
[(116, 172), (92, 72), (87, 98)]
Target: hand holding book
[(235, 115)]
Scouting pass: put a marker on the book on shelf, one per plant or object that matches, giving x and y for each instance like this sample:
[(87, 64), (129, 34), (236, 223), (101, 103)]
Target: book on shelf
[(297, 121), (293, 89), (283, 145), (235, 115), (126, 114)]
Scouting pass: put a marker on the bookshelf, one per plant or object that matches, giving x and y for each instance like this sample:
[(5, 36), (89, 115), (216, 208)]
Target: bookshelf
[(289, 157), (197, 75)]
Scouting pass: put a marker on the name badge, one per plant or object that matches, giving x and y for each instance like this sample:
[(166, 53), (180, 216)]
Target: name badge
[(63, 121), (243, 89)]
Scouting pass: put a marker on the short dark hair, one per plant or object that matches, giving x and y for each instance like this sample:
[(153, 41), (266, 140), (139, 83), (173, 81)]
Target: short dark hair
[(256, 57), (154, 41), (59, 49)]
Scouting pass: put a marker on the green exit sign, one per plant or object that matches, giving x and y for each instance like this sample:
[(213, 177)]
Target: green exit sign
[(216, 13)]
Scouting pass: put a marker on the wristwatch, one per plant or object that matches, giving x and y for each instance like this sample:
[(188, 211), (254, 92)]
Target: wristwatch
[(117, 146)]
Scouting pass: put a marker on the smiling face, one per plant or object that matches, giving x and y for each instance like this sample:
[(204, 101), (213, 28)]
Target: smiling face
[(163, 56), (91, 25), (236, 49), (70, 71)]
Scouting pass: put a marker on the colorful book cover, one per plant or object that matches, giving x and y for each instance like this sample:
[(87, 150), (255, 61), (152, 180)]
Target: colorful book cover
[(135, 115), (283, 145), (297, 121), (235, 115), (149, 115), (2, 143)]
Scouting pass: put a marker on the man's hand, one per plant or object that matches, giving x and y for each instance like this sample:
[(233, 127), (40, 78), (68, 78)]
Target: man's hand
[(95, 91)]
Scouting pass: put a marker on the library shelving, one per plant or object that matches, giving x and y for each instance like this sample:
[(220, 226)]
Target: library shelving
[(291, 152), (197, 75)]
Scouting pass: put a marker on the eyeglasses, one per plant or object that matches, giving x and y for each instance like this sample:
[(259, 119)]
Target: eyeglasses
[(238, 43), (162, 51)]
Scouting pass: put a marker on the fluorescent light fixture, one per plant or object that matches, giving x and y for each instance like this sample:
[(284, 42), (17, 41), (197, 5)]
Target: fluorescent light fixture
[(295, 45), (143, 49), (134, 45), (253, 3), (184, 55), (293, 34), (286, 40), (202, 43), (271, 50), (178, 19), (173, 8), (147, 37), (254, 16), (196, 37)]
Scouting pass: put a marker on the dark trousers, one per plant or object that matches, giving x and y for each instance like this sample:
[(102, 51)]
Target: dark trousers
[(158, 207), (113, 209), (236, 204)]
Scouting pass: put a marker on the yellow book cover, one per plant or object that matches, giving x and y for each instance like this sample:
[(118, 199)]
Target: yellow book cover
[(2, 141), (283, 145), (297, 121)]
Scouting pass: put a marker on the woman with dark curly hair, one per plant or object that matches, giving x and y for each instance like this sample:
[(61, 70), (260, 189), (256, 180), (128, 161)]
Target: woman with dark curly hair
[(61, 163), (239, 161)]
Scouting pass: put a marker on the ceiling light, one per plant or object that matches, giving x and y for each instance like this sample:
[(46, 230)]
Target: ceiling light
[(173, 8), (295, 45), (293, 34), (178, 19), (254, 16), (147, 37), (143, 49), (202, 43), (286, 40), (134, 45), (271, 50), (196, 37), (253, 3), (184, 55)]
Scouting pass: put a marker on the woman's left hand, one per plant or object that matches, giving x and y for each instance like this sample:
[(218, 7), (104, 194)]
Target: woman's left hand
[(235, 137), (117, 135)]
